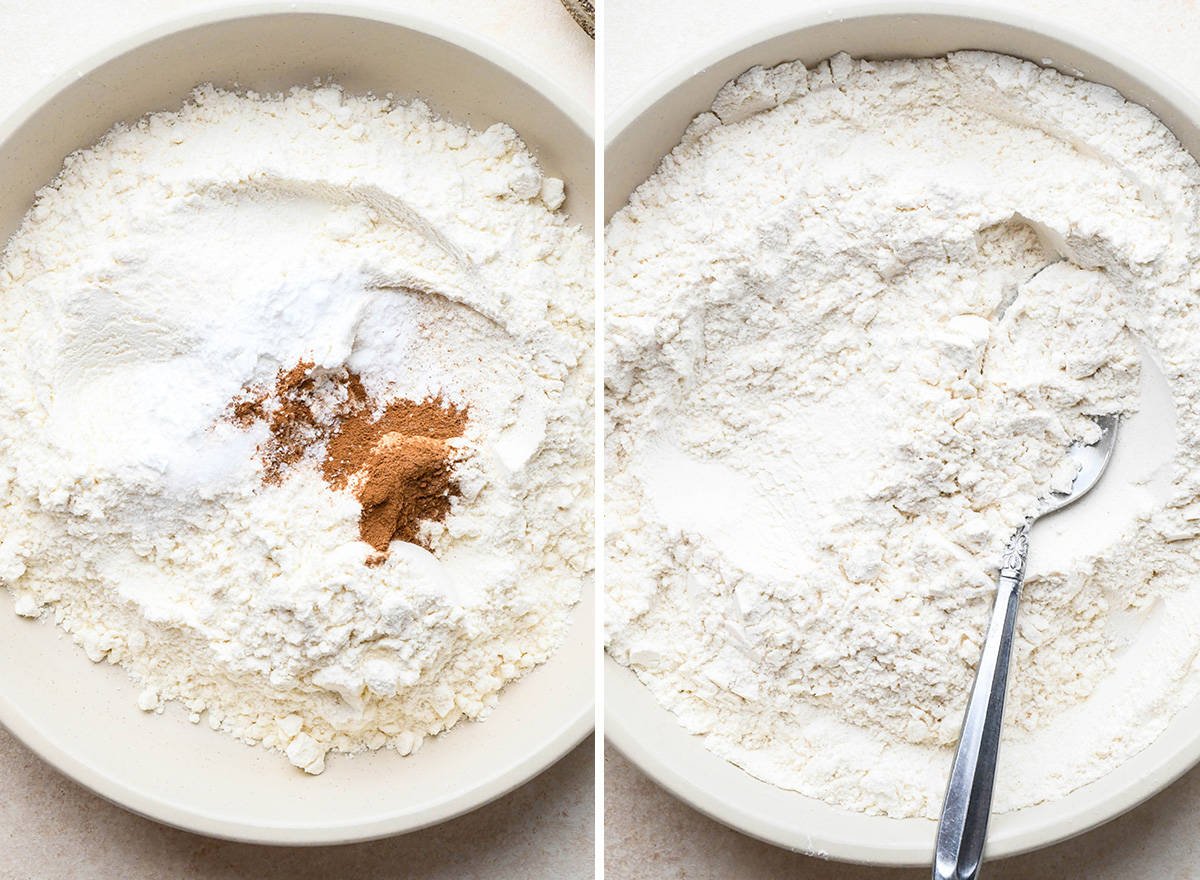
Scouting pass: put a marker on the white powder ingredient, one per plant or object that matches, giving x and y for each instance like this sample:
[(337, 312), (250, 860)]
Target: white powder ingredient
[(854, 320), (199, 252)]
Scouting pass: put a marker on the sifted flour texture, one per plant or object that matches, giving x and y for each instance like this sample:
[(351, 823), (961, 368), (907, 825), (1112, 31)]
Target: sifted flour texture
[(296, 415), (855, 319)]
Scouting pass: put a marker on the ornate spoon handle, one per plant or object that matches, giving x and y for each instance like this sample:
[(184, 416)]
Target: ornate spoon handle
[(962, 830)]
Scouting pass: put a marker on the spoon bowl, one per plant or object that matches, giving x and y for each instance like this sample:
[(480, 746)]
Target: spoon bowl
[(962, 829), (1092, 461)]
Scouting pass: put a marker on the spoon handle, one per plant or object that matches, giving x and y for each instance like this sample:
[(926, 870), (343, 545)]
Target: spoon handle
[(962, 830)]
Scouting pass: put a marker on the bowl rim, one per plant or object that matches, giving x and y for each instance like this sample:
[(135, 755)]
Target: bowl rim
[(654, 758), (484, 47), (627, 112), (570, 733)]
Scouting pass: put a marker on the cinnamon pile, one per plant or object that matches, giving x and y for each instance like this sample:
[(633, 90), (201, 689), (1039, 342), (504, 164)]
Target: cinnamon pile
[(397, 463)]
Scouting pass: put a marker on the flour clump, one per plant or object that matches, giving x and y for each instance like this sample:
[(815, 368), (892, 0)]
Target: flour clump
[(855, 319)]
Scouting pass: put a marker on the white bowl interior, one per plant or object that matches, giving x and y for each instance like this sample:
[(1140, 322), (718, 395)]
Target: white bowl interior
[(650, 126), (469, 81), (637, 725), (82, 717)]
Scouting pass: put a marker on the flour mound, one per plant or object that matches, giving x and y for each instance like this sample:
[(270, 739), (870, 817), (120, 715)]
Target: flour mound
[(854, 321), (183, 265)]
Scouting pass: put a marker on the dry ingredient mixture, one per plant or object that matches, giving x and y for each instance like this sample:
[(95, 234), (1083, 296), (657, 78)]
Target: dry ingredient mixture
[(401, 463), (854, 320), (296, 412)]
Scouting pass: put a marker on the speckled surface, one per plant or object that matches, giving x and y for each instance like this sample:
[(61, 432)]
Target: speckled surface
[(649, 835), (50, 828)]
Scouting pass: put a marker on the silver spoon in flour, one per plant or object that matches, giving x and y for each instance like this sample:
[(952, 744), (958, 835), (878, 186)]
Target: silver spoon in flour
[(963, 826)]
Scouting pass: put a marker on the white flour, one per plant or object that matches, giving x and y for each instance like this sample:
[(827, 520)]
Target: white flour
[(203, 251), (854, 321)]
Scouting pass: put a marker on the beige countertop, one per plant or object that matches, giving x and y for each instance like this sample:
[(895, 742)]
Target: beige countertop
[(51, 828), (649, 835)]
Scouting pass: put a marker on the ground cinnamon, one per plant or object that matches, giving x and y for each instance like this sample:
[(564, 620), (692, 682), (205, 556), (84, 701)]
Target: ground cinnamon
[(397, 462)]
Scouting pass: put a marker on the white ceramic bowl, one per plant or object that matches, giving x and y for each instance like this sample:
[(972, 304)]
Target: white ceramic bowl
[(642, 132), (83, 718)]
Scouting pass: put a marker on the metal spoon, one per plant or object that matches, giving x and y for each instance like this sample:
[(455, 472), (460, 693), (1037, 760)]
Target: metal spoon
[(962, 830)]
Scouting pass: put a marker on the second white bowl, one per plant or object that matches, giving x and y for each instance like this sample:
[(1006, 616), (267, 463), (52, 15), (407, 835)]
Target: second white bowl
[(642, 133)]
